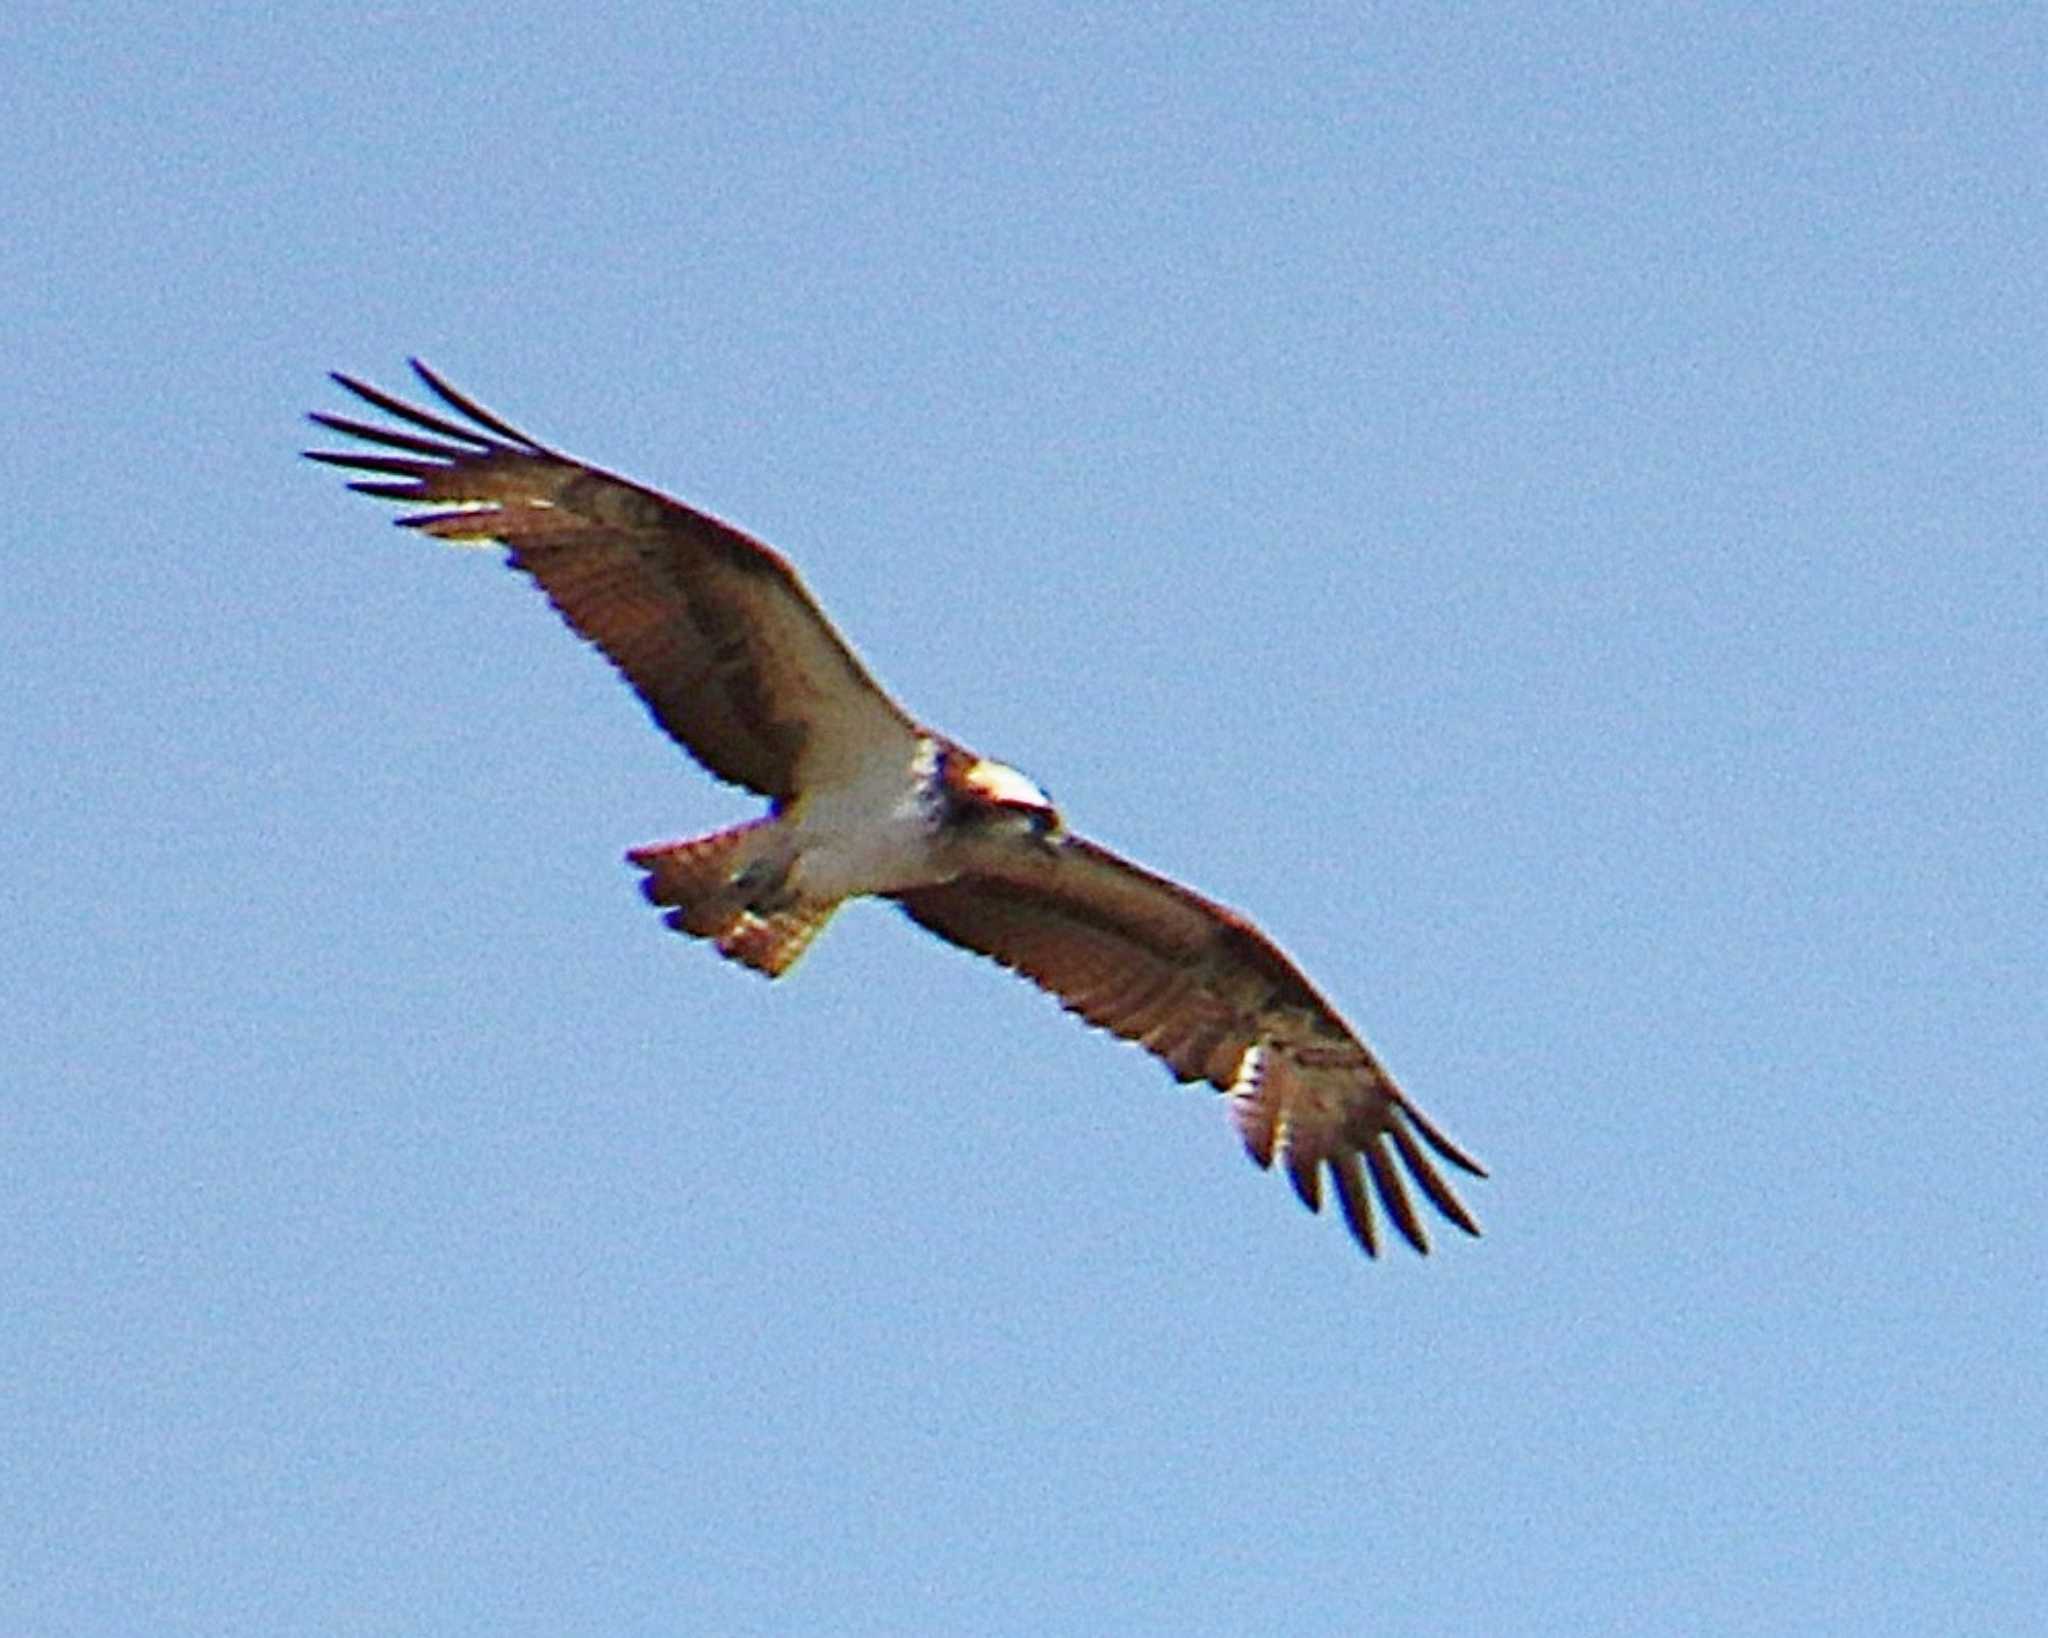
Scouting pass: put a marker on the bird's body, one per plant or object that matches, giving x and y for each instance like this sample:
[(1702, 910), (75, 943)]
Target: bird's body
[(736, 662)]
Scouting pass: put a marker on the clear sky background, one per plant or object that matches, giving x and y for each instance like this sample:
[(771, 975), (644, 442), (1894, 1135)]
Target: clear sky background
[(1542, 506)]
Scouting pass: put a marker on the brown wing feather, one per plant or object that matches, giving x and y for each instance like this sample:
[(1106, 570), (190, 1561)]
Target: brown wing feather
[(1211, 996), (713, 629)]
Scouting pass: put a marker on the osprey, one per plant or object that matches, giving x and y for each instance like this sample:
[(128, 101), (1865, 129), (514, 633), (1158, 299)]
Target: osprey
[(735, 662)]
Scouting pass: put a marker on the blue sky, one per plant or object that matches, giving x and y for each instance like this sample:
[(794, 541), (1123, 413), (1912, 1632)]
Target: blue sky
[(1541, 507)]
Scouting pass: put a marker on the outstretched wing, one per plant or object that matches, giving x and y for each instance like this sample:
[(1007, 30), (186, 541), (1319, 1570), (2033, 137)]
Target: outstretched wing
[(1212, 997), (712, 628)]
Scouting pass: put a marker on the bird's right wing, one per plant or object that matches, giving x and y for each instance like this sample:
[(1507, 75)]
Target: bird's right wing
[(713, 629)]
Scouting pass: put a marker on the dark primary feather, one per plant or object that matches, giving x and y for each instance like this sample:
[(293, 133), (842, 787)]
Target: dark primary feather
[(712, 628), (1200, 987)]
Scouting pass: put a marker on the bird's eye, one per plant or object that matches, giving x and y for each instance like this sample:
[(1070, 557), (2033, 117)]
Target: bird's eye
[(1047, 825)]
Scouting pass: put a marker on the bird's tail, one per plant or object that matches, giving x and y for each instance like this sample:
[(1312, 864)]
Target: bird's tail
[(710, 885)]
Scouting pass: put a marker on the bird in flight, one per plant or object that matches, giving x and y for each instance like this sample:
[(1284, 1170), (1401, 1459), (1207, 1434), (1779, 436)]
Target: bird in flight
[(736, 663)]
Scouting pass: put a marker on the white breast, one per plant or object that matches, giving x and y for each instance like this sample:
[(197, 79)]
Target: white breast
[(871, 836)]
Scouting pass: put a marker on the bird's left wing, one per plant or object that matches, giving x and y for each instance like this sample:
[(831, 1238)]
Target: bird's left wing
[(1205, 991), (713, 629)]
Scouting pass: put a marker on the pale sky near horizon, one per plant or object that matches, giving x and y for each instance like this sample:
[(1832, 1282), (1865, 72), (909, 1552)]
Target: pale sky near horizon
[(1541, 508)]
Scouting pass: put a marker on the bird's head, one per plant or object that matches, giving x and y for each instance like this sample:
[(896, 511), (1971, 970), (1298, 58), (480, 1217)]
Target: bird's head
[(993, 793)]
